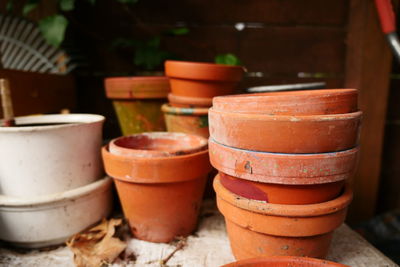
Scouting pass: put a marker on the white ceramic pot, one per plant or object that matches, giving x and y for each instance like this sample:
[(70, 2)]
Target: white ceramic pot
[(41, 160), (50, 220)]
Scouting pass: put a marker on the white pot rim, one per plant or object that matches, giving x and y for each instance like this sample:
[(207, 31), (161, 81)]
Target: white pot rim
[(47, 200), (71, 120)]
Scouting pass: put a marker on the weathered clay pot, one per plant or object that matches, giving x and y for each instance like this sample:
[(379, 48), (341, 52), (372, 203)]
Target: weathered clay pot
[(189, 102), (282, 194), (258, 229), (159, 196), (206, 80), (157, 144), (186, 120), (137, 102), (284, 133), (284, 261), (281, 168), (307, 102)]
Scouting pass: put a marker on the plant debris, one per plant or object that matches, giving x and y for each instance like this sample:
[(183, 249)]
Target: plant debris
[(97, 246)]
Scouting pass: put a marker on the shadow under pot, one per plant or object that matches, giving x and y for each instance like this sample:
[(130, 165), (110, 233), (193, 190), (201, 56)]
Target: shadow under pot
[(285, 133), (284, 261), (260, 229), (186, 120), (159, 196)]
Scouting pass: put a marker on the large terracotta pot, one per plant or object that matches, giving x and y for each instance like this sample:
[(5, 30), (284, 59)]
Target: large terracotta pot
[(189, 102), (259, 229), (205, 80), (137, 102), (186, 120), (284, 133), (159, 196), (284, 261), (281, 168), (282, 194), (307, 102)]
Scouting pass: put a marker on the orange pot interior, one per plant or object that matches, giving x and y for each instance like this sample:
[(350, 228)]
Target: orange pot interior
[(282, 194)]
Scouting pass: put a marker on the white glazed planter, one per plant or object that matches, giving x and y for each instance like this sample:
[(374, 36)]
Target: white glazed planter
[(50, 220), (42, 160)]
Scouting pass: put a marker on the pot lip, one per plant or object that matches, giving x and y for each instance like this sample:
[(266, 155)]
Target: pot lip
[(114, 148), (284, 260), (289, 118), (168, 109), (71, 120), (262, 207), (51, 199), (195, 64), (264, 154), (190, 100), (136, 79)]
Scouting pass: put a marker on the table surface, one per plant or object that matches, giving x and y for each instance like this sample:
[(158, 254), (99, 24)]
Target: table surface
[(209, 247)]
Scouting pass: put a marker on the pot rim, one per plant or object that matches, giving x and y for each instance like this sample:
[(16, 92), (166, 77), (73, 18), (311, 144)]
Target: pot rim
[(168, 109), (262, 207), (70, 120), (285, 260), (190, 100), (51, 199), (291, 118)]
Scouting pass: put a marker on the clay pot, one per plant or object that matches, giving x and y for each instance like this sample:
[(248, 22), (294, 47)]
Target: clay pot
[(159, 196), (307, 102), (189, 102), (278, 168), (282, 194), (157, 144), (186, 120), (258, 229), (284, 261), (285, 134), (137, 102), (205, 80)]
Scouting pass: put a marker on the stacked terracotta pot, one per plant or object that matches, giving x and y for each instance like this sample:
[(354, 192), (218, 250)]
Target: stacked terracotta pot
[(193, 85), (283, 161), (160, 179)]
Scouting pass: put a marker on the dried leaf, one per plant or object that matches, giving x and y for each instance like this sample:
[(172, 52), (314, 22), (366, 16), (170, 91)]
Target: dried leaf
[(97, 245)]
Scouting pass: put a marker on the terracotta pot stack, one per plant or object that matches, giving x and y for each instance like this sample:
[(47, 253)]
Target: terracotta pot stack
[(160, 197), (193, 85), (283, 160)]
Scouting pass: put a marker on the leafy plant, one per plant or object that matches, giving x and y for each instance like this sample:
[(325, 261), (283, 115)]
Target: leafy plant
[(227, 59)]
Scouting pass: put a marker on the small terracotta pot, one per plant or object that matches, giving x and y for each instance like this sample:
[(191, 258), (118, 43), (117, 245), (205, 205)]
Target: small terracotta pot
[(157, 144), (186, 120), (137, 102), (206, 80), (258, 229), (159, 196), (189, 102), (278, 168), (284, 261), (307, 102), (282, 194), (285, 134)]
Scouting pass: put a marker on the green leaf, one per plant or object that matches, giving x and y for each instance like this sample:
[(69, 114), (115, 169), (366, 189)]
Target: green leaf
[(93, 2), (67, 5), (128, 1), (10, 5), (53, 29), (179, 31), (29, 6), (227, 59)]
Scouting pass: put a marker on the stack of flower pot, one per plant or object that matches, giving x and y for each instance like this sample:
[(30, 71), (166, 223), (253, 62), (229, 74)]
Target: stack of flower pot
[(137, 102), (51, 184), (283, 160), (193, 85), (160, 179)]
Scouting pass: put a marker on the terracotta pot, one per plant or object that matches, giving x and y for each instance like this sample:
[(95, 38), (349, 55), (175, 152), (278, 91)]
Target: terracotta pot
[(186, 120), (137, 102), (206, 80), (284, 261), (307, 102), (189, 102), (159, 196), (281, 168), (282, 194), (157, 144), (285, 134), (258, 229)]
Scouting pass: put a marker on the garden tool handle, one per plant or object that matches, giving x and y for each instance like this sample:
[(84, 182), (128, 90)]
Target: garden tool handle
[(6, 103)]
